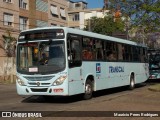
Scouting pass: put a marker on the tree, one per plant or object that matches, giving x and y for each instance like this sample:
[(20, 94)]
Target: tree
[(152, 40), (9, 44), (143, 17), (106, 25), (141, 12)]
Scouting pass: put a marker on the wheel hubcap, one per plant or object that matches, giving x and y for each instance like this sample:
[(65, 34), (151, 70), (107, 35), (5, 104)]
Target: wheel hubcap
[(132, 83), (88, 89)]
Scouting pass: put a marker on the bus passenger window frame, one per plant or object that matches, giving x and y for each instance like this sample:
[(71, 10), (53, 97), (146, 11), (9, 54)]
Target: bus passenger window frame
[(99, 49), (88, 50), (111, 51), (72, 50)]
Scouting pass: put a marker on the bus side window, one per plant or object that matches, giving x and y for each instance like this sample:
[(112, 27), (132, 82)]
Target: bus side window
[(143, 55), (87, 46), (99, 50), (120, 52), (111, 51), (111, 56)]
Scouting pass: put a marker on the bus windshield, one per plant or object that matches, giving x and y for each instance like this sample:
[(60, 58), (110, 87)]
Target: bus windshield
[(45, 57), (154, 60)]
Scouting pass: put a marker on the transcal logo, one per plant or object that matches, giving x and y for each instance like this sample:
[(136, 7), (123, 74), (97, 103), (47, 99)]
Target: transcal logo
[(98, 68), (116, 69)]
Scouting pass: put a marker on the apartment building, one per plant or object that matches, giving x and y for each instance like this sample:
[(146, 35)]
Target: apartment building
[(9, 13), (78, 14), (18, 15)]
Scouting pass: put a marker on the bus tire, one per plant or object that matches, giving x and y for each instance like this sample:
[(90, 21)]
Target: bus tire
[(88, 90), (132, 83)]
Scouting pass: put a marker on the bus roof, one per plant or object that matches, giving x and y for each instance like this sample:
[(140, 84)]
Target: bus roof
[(90, 34)]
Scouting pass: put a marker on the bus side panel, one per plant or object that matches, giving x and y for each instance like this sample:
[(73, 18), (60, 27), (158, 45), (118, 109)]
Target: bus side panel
[(75, 83), (143, 74), (120, 72), (105, 74), (114, 74), (103, 79), (117, 74), (100, 74)]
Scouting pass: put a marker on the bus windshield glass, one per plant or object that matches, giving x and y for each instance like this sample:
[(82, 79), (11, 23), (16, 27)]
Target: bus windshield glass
[(45, 57), (154, 61)]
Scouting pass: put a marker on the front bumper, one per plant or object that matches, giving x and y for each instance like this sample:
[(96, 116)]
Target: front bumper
[(50, 90)]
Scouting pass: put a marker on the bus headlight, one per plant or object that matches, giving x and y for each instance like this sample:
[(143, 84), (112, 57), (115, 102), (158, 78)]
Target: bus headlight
[(20, 82), (59, 81)]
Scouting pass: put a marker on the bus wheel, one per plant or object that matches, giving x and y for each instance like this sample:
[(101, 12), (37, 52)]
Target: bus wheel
[(132, 83), (88, 90)]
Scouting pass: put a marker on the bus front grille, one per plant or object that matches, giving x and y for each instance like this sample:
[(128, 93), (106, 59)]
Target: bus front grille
[(35, 84), (39, 90), (35, 78)]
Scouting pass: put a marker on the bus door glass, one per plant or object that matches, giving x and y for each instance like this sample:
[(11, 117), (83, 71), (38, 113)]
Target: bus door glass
[(74, 51)]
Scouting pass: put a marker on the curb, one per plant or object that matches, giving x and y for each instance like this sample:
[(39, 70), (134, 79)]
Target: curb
[(153, 89)]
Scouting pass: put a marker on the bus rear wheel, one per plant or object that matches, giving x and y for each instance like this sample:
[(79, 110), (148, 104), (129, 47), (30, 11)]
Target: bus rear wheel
[(88, 90), (132, 83)]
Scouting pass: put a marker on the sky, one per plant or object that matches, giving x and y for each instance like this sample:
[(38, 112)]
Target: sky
[(92, 3)]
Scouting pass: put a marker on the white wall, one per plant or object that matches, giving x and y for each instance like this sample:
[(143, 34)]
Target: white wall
[(82, 18)]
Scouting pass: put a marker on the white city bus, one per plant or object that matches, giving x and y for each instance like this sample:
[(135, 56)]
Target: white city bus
[(61, 61)]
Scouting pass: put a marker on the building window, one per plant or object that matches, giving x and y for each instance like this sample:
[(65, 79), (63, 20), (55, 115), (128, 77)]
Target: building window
[(23, 23), (41, 5), (73, 17), (52, 24), (77, 5), (8, 19), (54, 10), (9, 1), (76, 17), (40, 23), (23, 4), (70, 18), (63, 13)]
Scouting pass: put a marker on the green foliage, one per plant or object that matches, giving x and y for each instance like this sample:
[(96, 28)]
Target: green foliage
[(106, 25), (141, 12), (144, 19)]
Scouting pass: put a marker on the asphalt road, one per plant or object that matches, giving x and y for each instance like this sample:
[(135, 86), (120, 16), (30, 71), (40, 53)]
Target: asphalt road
[(117, 99)]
